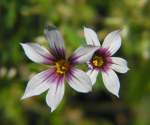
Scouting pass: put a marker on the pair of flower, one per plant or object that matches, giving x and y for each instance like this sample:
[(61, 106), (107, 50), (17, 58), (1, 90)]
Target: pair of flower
[(96, 56)]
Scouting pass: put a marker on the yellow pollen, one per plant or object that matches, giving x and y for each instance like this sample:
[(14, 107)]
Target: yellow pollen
[(97, 61), (62, 67)]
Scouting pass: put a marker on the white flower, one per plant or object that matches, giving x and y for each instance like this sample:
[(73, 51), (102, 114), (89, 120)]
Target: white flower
[(61, 69), (102, 60)]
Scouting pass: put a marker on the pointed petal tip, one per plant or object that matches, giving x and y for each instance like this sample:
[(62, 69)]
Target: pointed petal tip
[(93, 83), (86, 28), (90, 90), (128, 69), (117, 95), (119, 31), (50, 27), (52, 110), (23, 97), (22, 44)]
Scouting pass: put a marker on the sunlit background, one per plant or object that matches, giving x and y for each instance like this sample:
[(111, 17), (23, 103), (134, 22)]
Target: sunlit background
[(24, 20)]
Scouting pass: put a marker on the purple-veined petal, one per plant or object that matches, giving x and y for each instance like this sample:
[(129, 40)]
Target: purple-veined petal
[(38, 83), (111, 82), (55, 41), (83, 54), (112, 41), (55, 93), (79, 81), (91, 37), (37, 53), (93, 75), (119, 64)]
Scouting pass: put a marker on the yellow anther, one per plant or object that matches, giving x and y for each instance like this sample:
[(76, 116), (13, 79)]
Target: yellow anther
[(97, 61), (62, 67)]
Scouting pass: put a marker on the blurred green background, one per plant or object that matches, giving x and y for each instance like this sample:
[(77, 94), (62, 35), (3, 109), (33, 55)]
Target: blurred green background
[(24, 20)]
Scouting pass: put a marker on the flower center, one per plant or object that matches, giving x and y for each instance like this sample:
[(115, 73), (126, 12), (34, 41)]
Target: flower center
[(62, 67), (97, 61)]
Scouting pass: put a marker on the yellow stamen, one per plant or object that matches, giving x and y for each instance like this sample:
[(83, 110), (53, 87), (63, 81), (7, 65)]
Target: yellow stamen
[(97, 61), (62, 67)]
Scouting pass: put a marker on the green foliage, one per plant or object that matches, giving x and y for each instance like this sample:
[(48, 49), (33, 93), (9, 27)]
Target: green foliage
[(24, 20)]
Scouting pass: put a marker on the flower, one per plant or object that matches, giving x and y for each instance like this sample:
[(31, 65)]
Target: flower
[(102, 60), (61, 69)]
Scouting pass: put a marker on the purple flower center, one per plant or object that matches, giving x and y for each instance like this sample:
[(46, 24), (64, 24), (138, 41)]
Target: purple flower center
[(101, 59)]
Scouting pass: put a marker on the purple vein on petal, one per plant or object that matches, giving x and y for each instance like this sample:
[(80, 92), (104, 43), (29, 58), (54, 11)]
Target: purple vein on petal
[(48, 75), (48, 58), (58, 53), (70, 75)]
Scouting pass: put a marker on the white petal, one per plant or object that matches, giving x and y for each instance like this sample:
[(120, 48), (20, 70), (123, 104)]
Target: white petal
[(38, 84), (119, 65), (112, 41), (93, 75), (79, 81), (37, 53), (55, 94), (91, 37), (55, 40), (83, 54), (111, 82)]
